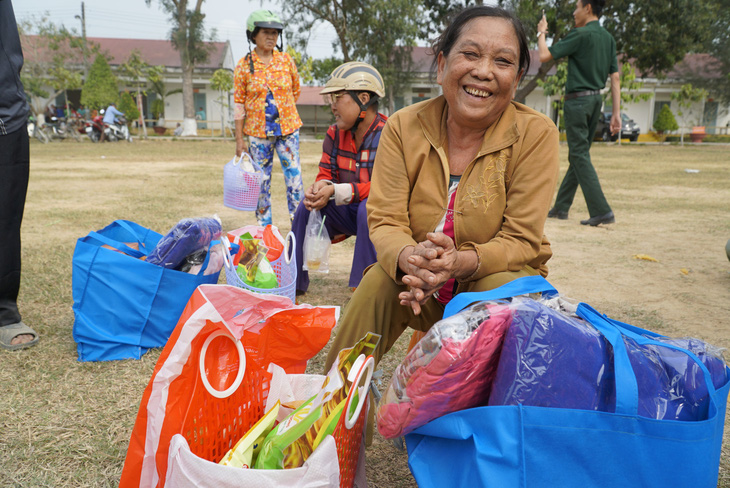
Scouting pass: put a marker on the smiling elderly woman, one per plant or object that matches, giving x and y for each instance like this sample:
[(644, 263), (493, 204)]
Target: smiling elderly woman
[(462, 188)]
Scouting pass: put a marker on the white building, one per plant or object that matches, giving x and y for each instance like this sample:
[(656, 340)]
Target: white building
[(709, 112), (155, 53)]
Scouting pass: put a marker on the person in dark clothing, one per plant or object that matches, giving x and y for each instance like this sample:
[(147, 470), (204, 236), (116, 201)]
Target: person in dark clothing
[(14, 171), (591, 53)]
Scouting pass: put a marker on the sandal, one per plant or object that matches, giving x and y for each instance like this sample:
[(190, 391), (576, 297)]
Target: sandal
[(10, 332)]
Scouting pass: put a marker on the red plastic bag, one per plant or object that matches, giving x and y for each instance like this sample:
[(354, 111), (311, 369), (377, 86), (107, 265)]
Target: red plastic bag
[(211, 382)]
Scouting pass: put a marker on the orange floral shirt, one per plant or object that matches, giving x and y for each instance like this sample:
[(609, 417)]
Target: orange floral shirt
[(282, 78)]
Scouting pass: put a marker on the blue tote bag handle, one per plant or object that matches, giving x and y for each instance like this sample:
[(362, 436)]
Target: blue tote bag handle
[(116, 244), (637, 335), (520, 286), (627, 390)]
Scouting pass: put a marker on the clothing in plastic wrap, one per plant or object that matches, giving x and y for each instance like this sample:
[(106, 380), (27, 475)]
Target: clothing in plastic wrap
[(553, 360), (450, 369), (186, 237)]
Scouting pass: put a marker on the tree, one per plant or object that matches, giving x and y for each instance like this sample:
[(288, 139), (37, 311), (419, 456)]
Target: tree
[(222, 80), (395, 24), (157, 86), (629, 87), (323, 68), (136, 69), (188, 36), (555, 85), (714, 74), (53, 58), (653, 36), (100, 89), (687, 97), (380, 32), (665, 121), (305, 64), (128, 106)]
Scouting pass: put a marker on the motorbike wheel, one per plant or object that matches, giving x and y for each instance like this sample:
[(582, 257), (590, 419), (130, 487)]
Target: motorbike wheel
[(41, 135), (94, 136)]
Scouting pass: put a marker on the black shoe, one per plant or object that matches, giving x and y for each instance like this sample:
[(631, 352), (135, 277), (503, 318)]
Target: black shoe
[(554, 213), (599, 219)]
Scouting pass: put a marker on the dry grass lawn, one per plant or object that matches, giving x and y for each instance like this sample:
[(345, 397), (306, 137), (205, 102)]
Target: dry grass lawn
[(67, 423)]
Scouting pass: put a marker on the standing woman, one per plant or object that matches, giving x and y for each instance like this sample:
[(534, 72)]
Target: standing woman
[(266, 89)]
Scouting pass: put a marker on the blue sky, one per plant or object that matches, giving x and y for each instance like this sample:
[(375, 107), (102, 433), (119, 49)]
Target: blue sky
[(133, 19)]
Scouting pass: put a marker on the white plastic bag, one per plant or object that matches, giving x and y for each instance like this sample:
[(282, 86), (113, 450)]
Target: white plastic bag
[(185, 469), (316, 244)]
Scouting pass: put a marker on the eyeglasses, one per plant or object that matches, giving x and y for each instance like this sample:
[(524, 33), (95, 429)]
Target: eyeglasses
[(332, 98)]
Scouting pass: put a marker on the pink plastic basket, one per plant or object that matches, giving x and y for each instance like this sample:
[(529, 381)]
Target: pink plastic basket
[(240, 188), (285, 268)]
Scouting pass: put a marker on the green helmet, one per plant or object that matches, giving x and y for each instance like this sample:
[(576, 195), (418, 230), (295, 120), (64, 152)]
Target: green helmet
[(262, 19)]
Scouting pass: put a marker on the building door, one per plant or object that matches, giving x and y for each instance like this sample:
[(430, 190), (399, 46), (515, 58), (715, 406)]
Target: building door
[(709, 117), (201, 111)]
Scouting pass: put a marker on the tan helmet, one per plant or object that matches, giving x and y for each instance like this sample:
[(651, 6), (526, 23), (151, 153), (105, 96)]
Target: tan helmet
[(355, 76)]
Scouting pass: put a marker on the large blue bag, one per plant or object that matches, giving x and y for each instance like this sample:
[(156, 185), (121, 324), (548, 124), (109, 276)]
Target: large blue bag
[(525, 446), (124, 306)]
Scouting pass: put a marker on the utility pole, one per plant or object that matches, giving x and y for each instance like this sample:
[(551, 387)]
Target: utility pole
[(82, 18)]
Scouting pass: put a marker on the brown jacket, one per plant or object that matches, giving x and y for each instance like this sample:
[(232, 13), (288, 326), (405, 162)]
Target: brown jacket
[(502, 200)]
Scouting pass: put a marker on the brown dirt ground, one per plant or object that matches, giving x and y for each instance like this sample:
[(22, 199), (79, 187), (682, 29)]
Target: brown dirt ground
[(67, 423)]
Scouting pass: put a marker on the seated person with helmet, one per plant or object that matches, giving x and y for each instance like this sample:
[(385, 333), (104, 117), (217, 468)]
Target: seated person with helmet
[(342, 186)]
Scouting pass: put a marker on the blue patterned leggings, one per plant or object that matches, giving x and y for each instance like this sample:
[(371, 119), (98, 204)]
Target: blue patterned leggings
[(262, 151)]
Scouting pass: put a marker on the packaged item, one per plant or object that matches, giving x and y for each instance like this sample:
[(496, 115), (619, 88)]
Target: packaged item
[(264, 278), (274, 241), (451, 368), (293, 440), (193, 262), (316, 244), (253, 252), (244, 453), (216, 260), (550, 359), (187, 237)]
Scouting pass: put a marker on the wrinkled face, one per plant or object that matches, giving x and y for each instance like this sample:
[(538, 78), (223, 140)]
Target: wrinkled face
[(581, 13), (345, 108), (480, 75), (266, 39)]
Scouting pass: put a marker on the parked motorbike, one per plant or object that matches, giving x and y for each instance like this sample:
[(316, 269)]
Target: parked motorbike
[(60, 128), (35, 130), (118, 131), (94, 127)]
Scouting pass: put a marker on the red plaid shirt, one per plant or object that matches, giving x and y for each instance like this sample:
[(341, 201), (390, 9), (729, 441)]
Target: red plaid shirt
[(342, 162)]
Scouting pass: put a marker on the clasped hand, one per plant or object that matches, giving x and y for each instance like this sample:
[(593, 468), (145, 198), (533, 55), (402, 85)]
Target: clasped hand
[(428, 266), (317, 195)]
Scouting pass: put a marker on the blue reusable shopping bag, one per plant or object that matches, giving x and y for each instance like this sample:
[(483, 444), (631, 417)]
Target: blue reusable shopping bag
[(523, 446), (124, 306)]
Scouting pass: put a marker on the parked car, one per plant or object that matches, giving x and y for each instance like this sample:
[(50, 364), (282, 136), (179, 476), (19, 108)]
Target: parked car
[(629, 129)]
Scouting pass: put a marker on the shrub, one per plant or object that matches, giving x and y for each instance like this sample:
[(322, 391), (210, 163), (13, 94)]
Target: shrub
[(100, 89), (665, 120), (129, 107)]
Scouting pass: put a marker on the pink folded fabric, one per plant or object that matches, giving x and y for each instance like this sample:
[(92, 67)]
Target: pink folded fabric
[(450, 369)]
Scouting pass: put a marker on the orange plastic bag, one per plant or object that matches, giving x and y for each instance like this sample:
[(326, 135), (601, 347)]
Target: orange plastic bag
[(270, 235), (211, 382)]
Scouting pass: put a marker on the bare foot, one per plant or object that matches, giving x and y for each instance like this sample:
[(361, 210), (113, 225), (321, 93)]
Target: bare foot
[(21, 339)]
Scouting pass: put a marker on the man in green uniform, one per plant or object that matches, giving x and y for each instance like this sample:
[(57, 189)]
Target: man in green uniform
[(591, 52)]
